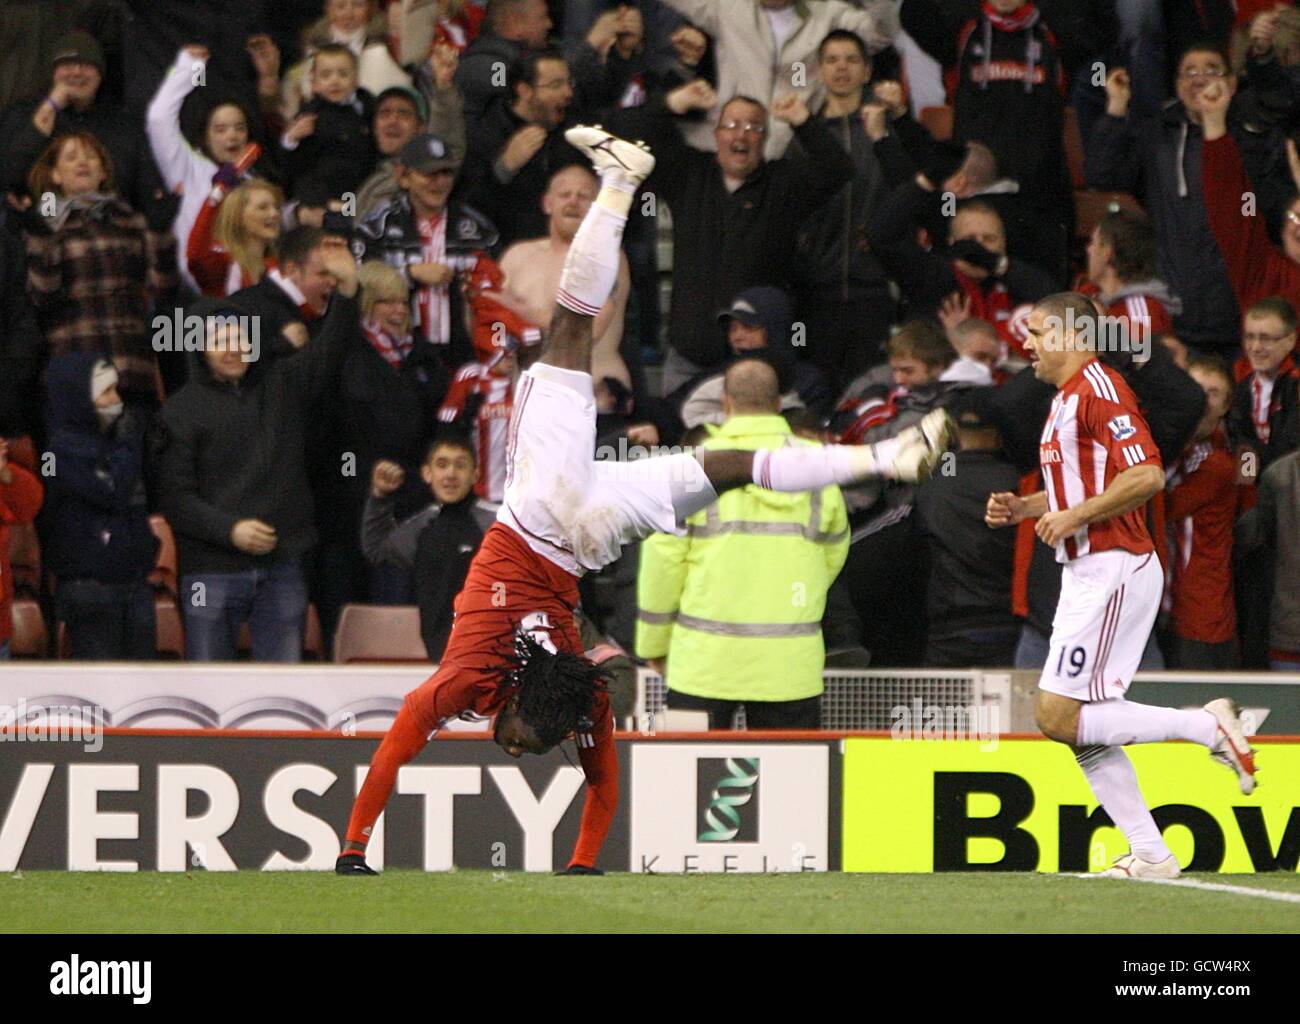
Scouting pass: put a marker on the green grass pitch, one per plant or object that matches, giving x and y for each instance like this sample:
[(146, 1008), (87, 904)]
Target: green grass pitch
[(484, 901)]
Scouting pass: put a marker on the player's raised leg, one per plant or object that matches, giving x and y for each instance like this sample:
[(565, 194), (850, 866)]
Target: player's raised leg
[(591, 266)]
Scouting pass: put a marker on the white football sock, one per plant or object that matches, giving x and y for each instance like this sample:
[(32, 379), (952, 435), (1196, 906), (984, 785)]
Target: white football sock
[(617, 190), (805, 469), (1117, 723), (591, 265), (1114, 783)]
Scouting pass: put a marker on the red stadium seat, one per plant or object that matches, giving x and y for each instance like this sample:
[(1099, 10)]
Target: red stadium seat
[(378, 633), (937, 121), (170, 626), (163, 576), (30, 639), (23, 452)]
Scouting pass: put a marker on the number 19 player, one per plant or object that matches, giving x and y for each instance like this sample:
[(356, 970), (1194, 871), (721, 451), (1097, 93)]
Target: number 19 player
[(1100, 467)]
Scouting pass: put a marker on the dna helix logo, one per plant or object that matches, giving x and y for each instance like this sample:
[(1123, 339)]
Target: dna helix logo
[(736, 788)]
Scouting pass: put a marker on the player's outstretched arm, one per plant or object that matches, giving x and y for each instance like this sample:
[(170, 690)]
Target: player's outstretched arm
[(1131, 489)]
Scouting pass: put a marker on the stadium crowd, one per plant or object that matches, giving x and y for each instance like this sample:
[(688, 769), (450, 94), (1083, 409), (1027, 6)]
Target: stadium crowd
[(868, 197)]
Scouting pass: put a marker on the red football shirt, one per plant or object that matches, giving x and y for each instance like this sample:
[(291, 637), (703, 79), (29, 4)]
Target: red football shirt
[(1093, 433)]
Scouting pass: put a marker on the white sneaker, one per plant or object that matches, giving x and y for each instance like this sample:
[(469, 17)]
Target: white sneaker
[(921, 447), (1130, 866), (1230, 746), (605, 150)]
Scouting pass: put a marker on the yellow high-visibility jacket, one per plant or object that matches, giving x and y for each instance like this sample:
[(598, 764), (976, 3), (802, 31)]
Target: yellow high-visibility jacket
[(737, 603)]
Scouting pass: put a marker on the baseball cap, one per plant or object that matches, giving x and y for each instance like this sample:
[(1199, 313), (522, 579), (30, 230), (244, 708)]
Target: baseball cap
[(79, 46), (427, 153), (406, 92)]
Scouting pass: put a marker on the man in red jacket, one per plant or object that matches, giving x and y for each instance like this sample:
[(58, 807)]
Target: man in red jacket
[(21, 495)]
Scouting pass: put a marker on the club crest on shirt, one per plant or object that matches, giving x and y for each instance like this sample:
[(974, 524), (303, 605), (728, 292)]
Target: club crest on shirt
[(1121, 428)]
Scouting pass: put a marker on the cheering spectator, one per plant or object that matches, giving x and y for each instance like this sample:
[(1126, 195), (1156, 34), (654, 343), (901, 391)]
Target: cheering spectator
[(736, 216), (362, 29), (969, 578), (1202, 503), (764, 49), (429, 239), (1123, 278), (188, 171), (988, 283), (329, 148), (433, 547), (399, 117), (532, 271), (511, 28), (234, 476), (233, 242), (291, 299), (717, 603), (1273, 526), (1265, 415), (21, 494), (1163, 155), (1256, 267), (94, 264), (74, 106), (845, 304), (98, 542), (519, 144)]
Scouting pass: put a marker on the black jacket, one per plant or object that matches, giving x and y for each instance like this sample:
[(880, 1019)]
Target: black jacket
[(442, 556), (724, 242), (134, 172), (834, 250), (1283, 418), (95, 519), (970, 565), (22, 347), (238, 451), (1159, 159), (477, 75), (513, 202), (338, 155)]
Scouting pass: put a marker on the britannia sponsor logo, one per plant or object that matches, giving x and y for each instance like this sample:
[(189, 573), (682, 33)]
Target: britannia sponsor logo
[(730, 807)]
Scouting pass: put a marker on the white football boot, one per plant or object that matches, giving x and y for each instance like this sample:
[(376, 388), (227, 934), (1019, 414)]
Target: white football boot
[(921, 447), (606, 150), (1130, 866), (1230, 746)]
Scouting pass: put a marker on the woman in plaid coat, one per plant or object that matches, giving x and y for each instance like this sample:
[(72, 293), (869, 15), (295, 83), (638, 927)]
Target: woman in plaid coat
[(94, 265)]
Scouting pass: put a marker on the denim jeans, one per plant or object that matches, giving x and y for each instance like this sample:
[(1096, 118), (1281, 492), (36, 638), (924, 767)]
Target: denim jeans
[(108, 621), (273, 601), (1285, 666), (4, 650), (1031, 651)]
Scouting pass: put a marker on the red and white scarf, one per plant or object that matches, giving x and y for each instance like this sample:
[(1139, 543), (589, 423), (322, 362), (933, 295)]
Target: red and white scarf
[(433, 304), (394, 350)]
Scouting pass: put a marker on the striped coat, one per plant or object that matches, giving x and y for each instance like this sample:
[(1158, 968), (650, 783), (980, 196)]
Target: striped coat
[(91, 280)]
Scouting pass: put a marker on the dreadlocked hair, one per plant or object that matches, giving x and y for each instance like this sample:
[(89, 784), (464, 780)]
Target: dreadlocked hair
[(556, 690)]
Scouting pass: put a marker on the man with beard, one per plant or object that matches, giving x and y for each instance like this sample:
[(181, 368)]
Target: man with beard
[(519, 143)]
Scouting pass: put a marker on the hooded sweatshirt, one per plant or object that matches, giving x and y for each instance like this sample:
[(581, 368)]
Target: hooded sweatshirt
[(97, 519)]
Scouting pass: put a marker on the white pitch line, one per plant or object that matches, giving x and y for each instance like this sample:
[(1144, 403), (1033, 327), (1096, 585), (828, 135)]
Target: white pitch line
[(1238, 890)]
